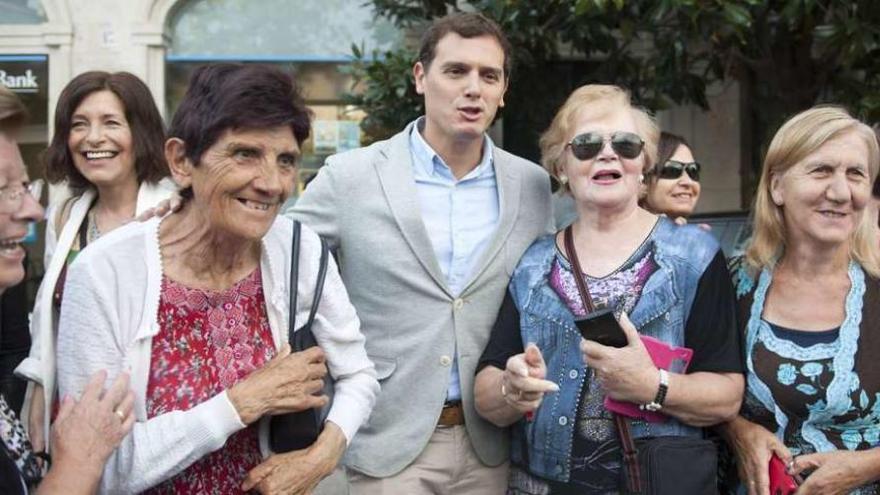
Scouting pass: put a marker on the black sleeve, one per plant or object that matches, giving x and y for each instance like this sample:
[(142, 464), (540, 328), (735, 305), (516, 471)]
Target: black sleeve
[(506, 340), (712, 330)]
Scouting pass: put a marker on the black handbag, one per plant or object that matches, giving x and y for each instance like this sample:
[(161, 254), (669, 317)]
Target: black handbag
[(670, 465), (296, 431)]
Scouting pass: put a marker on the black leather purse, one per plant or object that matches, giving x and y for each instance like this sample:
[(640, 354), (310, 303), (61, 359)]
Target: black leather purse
[(296, 431)]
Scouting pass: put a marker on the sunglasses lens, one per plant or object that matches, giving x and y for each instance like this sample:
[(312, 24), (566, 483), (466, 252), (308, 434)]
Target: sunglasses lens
[(586, 146), (674, 169), (627, 144)]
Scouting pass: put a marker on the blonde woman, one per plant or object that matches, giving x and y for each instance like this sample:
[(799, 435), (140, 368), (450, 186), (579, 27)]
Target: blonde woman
[(671, 280), (810, 300)]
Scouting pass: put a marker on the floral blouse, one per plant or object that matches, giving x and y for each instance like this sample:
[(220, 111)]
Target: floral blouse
[(820, 397), (208, 342)]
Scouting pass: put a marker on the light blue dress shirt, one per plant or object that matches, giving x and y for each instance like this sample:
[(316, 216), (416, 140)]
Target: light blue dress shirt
[(460, 215)]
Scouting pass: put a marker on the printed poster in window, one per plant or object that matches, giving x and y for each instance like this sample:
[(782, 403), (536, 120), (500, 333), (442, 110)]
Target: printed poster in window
[(348, 135), (326, 136)]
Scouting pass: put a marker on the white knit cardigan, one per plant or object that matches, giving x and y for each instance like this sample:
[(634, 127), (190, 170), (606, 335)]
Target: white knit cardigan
[(39, 366), (110, 313)]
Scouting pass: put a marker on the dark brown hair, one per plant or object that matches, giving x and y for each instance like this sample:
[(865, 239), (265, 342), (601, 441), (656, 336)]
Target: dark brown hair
[(144, 122), (466, 25), (667, 147), (236, 96)]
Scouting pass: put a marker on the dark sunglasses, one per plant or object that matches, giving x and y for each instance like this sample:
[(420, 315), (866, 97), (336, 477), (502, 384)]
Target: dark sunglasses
[(587, 145), (673, 169)]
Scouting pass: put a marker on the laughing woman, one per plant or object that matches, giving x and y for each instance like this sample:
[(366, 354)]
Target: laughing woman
[(108, 149)]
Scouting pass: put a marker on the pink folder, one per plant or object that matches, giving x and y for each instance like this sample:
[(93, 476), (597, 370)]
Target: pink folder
[(670, 358)]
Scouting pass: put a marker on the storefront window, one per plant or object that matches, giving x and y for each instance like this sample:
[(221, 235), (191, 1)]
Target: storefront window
[(310, 39), (22, 12), (27, 76)]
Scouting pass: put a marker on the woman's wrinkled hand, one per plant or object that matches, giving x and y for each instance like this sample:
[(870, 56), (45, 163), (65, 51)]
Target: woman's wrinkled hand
[(522, 384), (87, 431), (298, 472), (626, 374), (837, 472), (753, 446), (287, 383)]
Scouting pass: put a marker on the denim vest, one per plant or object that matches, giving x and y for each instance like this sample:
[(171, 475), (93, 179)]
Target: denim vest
[(544, 444)]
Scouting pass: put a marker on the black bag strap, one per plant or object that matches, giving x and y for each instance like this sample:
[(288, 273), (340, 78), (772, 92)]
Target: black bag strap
[(627, 444), (319, 284), (294, 277)]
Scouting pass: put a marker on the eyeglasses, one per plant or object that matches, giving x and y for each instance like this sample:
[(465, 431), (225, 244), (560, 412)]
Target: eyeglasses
[(11, 196), (587, 145), (673, 169)]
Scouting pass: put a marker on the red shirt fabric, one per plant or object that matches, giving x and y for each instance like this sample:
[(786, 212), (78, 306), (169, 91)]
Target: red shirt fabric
[(208, 341)]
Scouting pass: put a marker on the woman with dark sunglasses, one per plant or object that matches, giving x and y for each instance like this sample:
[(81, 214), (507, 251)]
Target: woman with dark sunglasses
[(661, 280), (672, 186)]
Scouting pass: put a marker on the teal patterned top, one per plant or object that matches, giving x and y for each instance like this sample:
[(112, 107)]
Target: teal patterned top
[(818, 398)]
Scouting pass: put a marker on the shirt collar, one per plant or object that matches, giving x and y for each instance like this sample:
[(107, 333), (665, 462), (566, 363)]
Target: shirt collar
[(427, 162)]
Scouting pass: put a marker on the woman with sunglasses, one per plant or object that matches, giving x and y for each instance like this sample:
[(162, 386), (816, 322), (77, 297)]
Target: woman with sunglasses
[(661, 280), (809, 298), (108, 149), (672, 186)]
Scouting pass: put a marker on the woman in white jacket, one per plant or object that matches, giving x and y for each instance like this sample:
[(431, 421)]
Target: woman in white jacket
[(195, 306), (107, 148)]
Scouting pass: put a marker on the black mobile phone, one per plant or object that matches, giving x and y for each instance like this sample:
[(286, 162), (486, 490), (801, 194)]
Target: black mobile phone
[(601, 326)]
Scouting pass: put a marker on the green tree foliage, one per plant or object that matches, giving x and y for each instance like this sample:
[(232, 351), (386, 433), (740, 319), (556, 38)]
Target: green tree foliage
[(787, 54)]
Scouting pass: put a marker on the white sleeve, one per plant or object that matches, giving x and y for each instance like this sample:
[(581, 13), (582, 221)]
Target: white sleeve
[(337, 330), (31, 367), (90, 339), (51, 236)]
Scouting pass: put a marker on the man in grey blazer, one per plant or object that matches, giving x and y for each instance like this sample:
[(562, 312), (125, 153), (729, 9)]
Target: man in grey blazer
[(429, 226)]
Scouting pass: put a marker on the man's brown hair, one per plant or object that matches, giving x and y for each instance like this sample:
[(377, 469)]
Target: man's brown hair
[(467, 25)]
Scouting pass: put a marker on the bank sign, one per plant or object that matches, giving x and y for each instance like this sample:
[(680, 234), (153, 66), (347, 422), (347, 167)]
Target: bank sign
[(28, 77)]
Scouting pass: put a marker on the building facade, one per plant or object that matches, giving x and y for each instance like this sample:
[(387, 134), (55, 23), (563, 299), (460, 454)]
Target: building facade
[(44, 43)]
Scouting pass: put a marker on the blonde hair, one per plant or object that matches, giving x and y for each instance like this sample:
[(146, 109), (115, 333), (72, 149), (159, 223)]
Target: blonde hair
[(599, 100), (12, 111), (797, 139)]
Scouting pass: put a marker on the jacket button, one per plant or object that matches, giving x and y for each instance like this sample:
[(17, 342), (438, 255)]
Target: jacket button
[(666, 317), (563, 421), (573, 374), (458, 303), (445, 360)]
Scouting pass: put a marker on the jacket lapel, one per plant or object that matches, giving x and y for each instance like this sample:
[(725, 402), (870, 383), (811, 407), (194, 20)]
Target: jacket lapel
[(509, 180), (398, 183)]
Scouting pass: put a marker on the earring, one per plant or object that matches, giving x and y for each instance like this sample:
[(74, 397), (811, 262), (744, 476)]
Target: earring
[(641, 178), (563, 179)]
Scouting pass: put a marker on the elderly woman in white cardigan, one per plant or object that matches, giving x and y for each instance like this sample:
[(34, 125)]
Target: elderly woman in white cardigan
[(195, 305)]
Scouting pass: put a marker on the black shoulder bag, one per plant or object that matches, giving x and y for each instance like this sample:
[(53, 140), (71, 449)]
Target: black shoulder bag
[(669, 465), (296, 431)]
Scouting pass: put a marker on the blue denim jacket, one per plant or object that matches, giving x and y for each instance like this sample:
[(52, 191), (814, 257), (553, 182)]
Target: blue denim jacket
[(544, 444)]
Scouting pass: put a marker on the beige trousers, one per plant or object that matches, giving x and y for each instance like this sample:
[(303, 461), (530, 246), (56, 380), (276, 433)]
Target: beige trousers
[(447, 466)]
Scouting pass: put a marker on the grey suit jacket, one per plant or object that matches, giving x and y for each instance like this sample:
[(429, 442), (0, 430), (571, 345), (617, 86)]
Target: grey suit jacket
[(364, 202)]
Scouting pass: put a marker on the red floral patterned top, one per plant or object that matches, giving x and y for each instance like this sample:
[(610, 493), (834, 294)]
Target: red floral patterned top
[(207, 342)]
